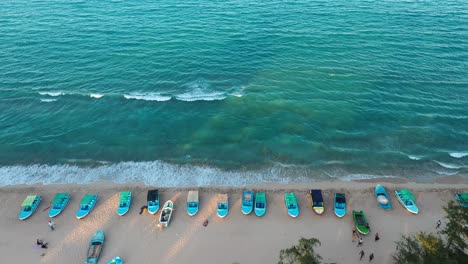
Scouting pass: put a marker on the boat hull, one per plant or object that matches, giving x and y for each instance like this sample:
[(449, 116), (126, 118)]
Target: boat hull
[(166, 214), (222, 213), (260, 205), (124, 206), (83, 213), (53, 212), (95, 247), (380, 190), (412, 207), (191, 211), (360, 222), (116, 260), (26, 213), (339, 207)]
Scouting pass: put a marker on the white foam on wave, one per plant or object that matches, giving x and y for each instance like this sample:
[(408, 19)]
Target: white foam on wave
[(96, 95), (414, 157), (199, 95), (151, 173), (448, 165), (356, 177), (446, 173), (54, 94), (148, 97), (458, 155), (48, 100)]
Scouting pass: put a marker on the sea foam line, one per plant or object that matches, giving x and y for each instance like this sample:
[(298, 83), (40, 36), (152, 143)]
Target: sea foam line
[(448, 165), (152, 173), (458, 155), (48, 100)]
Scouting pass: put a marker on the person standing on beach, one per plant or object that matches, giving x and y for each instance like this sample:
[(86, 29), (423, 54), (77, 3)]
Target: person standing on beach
[(360, 242), (361, 254), (51, 225), (438, 224), (377, 237), (354, 237), (371, 257)]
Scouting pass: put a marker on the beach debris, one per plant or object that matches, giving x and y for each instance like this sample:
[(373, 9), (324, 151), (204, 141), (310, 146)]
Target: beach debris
[(205, 223)]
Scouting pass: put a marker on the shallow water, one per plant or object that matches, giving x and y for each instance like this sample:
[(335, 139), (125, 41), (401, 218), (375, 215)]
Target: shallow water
[(239, 91)]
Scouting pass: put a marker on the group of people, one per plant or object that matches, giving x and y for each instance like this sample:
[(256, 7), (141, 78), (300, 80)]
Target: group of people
[(360, 242), (41, 243)]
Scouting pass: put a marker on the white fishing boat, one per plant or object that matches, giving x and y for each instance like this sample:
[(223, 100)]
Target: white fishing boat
[(166, 214)]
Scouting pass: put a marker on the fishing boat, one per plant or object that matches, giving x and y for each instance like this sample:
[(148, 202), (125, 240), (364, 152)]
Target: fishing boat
[(166, 213), (340, 204), (407, 199), (260, 204), (95, 247), (223, 205), (382, 197), (153, 201), (317, 201), (58, 204), (247, 202), (29, 206), (125, 200), (192, 203), (360, 221), (462, 198), (86, 205), (116, 260), (291, 204)]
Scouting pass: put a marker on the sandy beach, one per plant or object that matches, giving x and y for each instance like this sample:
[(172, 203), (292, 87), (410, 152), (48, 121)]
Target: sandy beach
[(235, 239)]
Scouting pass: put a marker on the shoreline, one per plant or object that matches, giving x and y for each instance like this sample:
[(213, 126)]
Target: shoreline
[(237, 238)]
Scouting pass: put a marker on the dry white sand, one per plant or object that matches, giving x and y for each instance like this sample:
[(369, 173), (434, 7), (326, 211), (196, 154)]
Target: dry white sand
[(235, 239)]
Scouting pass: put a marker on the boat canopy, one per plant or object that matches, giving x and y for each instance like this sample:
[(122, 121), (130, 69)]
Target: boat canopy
[(152, 195), (406, 195), (382, 199), (125, 196), (463, 197), (222, 198), (87, 199), (59, 198), (291, 200), (316, 195), (29, 200), (340, 198), (192, 196)]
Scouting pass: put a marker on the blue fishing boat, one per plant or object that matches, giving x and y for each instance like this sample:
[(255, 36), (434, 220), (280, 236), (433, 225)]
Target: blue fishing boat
[(58, 204), (192, 203), (95, 247), (291, 204), (125, 200), (29, 206), (223, 205), (116, 260), (462, 198), (247, 202), (86, 205), (340, 205), (260, 204), (153, 201), (382, 197), (407, 199)]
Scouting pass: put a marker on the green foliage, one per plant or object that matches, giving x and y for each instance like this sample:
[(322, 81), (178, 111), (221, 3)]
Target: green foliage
[(457, 227), (425, 248), (303, 253)]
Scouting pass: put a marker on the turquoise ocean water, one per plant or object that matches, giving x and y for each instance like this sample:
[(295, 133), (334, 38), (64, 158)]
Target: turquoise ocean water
[(233, 92)]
